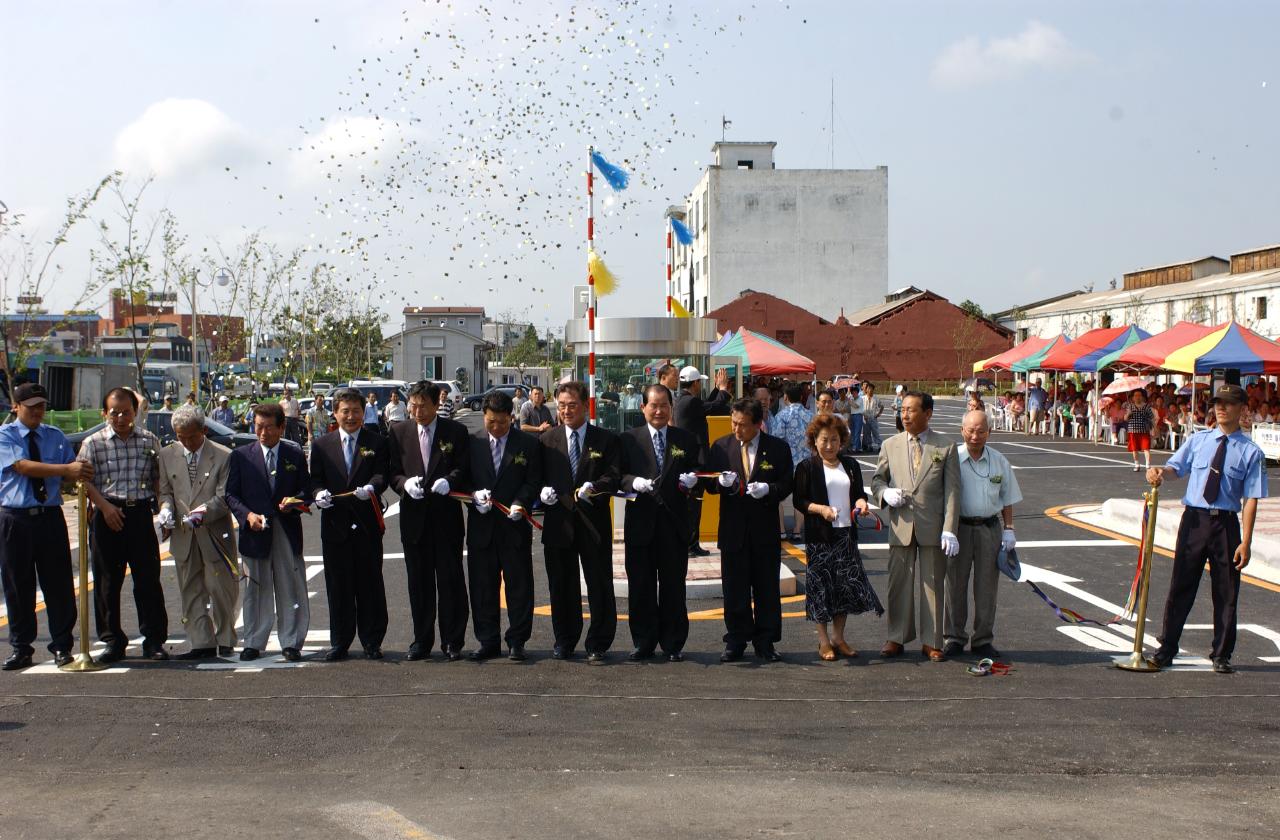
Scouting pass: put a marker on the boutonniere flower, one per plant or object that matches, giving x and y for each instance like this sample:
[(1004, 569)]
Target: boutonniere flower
[(677, 452), (937, 457), (290, 467), (446, 448), (764, 465), (592, 454), (366, 452), (520, 459), (996, 479)]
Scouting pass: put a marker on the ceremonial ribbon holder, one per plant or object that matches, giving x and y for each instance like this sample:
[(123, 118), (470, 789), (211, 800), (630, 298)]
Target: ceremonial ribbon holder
[(1137, 661), (83, 661)]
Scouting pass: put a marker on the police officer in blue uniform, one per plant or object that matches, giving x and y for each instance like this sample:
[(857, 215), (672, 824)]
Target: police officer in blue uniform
[(34, 461), (1226, 475)]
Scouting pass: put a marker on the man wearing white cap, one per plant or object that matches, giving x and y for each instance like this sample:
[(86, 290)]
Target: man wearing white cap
[(223, 413), (691, 412)]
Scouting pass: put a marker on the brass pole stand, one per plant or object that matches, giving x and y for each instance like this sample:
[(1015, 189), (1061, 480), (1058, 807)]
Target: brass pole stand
[(1136, 661), (83, 661)]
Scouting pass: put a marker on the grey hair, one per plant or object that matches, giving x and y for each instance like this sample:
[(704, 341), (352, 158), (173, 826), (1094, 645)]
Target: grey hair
[(187, 416)]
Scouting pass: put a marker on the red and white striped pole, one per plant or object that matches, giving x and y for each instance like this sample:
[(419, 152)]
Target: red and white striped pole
[(670, 259), (591, 286)]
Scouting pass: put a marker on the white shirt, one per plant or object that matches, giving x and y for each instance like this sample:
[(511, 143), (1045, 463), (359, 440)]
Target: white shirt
[(394, 412), (838, 489), (753, 446), (346, 436), (188, 453), (269, 452)]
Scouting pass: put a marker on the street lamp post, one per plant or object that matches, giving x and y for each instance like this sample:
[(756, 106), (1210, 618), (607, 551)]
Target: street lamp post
[(222, 278)]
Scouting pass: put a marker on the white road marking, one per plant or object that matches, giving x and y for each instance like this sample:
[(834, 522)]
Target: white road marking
[(1073, 454)]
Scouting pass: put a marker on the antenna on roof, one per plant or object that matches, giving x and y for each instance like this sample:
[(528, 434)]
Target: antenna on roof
[(724, 126)]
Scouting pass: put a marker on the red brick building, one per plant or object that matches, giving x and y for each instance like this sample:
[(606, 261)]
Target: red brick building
[(223, 336), (914, 334)]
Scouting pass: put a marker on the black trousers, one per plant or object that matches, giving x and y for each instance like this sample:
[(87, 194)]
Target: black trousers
[(354, 589), (435, 566), (36, 548), (505, 564), (695, 516), (566, 592), (751, 575), (1204, 538), (134, 546), (655, 592)]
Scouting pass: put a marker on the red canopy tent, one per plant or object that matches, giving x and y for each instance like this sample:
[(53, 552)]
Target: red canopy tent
[(1017, 353), (1149, 354)]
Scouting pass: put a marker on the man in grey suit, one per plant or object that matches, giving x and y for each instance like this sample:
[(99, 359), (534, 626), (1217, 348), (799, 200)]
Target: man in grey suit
[(195, 517), (917, 480)]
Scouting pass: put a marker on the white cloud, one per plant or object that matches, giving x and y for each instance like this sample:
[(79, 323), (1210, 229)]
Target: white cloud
[(971, 62), (178, 136), (347, 146)]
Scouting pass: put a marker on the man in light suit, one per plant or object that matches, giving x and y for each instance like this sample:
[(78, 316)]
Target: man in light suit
[(917, 480), (195, 517)]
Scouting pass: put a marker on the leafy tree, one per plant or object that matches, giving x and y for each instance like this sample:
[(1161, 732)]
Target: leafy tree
[(972, 309), (525, 353)]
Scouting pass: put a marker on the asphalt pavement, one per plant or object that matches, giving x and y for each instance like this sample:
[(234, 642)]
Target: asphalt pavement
[(1063, 743)]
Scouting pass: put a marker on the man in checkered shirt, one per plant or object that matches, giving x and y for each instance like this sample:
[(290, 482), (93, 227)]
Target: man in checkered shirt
[(123, 492)]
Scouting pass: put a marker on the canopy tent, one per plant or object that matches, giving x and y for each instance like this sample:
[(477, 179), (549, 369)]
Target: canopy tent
[(1084, 353), (761, 355), (1035, 360), (1229, 346), (1149, 354), (1005, 360)]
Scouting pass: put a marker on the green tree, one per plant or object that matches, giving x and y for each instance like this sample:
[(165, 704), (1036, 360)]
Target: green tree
[(972, 309), (525, 353)]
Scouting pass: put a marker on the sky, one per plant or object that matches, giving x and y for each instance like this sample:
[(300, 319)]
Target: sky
[(434, 153)]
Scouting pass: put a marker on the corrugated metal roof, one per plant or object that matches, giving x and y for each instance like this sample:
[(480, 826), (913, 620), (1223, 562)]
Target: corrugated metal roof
[(872, 312), (1111, 298), (1196, 261)]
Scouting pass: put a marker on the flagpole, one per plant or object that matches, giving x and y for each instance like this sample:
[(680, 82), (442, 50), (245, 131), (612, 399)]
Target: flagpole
[(591, 286), (670, 259)]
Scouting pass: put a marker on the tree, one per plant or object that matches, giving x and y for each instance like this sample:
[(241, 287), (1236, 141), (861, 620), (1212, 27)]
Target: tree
[(972, 309), (525, 353), (966, 339)]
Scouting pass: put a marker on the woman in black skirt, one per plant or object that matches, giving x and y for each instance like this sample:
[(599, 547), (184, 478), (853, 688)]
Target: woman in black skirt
[(828, 490)]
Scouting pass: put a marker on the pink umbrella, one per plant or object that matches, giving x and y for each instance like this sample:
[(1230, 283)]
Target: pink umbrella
[(1125, 384)]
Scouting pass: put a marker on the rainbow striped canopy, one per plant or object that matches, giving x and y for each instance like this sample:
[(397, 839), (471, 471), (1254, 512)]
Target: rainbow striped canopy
[(1005, 360), (761, 355), (1229, 346), (1036, 359), (1149, 354), (1084, 353)]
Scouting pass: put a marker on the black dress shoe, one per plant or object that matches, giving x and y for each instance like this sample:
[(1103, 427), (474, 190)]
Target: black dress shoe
[(1223, 666), (249, 654), (292, 655), (768, 653), (481, 654), (62, 657), (987, 651), (226, 650), (639, 655), (675, 657), (158, 654), (731, 654), (197, 653), (953, 649), (595, 657), (561, 652), (452, 654), (1161, 659), (16, 661), (416, 653), (335, 654), (111, 654), (516, 654), (372, 652), (699, 552)]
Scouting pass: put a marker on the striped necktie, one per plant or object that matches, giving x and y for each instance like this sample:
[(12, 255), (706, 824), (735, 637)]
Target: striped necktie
[(191, 467), (575, 452)]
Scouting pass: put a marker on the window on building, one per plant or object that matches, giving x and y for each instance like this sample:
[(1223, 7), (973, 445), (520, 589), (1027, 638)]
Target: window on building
[(787, 337), (1106, 322), (1260, 308), (746, 164), (1023, 333)]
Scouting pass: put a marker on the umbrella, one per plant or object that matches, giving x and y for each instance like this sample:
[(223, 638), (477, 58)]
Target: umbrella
[(976, 383), (1084, 353), (761, 355), (1125, 384)]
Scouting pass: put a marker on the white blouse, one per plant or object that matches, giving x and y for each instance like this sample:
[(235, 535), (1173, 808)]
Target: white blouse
[(838, 491)]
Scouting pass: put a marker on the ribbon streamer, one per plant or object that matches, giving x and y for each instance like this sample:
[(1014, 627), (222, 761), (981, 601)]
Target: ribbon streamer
[(617, 177)]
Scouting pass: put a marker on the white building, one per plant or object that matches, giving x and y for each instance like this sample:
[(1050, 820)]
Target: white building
[(1209, 290), (437, 341), (818, 238)]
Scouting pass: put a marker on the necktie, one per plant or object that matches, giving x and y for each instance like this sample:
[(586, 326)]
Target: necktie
[(350, 452), (575, 452), (917, 455), (191, 467), (33, 452), (660, 447), (495, 445), (1213, 484), (271, 469), (746, 461), (424, 445)]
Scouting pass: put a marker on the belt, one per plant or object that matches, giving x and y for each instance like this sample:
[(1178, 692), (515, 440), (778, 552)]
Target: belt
[(30, 511), (1212, 511), (128, 503), (979, 520)]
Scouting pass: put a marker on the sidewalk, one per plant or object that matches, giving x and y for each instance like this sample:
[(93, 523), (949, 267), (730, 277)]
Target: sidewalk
[(1124, 516)]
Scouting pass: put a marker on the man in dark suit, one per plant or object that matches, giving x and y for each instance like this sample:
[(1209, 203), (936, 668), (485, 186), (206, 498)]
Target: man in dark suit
[(579, 461), (755, 476), (690, 414), (505, 469), (659, 464), (350, 468), (429, 457), (259, 478)]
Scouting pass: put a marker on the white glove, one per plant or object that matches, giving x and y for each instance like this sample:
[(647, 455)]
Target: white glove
[(414, 487), (893, 497), (516, 514), (548, 496), (166, 519), (584, 492), (950, 545), (441, 487), (643, 485), (688, 480), (324, 500), (193, 520), (1008, 540), (728, 478), (757, 489), (483, 500), (363, 493)]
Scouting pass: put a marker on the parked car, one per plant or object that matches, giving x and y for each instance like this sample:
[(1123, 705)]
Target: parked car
[(474, 401), (160, 423), (451, 393)]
